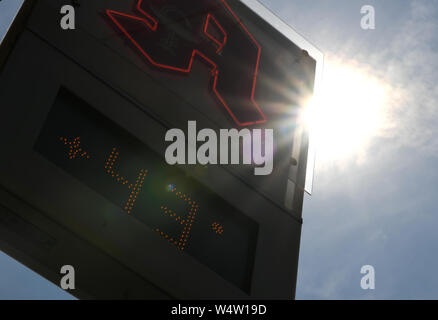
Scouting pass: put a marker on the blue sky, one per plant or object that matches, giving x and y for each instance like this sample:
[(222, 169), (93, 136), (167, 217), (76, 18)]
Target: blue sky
[(8, 9), (376, 206), (375, 202)]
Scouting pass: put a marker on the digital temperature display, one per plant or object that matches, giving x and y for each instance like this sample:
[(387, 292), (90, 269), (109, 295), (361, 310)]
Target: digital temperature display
[(182, 211)]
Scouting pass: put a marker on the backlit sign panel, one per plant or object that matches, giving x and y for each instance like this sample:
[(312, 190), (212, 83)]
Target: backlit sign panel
[(84, 145)]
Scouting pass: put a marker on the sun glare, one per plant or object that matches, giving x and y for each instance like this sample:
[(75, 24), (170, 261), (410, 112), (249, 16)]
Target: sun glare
[(346, 114)]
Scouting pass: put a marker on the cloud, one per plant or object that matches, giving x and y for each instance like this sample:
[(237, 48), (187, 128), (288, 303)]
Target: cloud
[(409, 65)]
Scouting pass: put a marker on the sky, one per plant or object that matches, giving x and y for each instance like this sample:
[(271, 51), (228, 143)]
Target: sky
[(374, 199)]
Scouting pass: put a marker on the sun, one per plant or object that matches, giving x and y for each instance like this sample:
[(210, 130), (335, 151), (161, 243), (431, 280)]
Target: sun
[(346, 114)]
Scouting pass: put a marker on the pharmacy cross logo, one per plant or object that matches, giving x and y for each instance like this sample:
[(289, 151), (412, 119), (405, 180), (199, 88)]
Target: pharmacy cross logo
[(171, 34)]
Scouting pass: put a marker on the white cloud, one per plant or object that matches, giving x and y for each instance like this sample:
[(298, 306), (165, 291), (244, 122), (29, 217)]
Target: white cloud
[(409, 65)]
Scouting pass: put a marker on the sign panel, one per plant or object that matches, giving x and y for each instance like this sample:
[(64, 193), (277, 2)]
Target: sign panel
[(85, 146)]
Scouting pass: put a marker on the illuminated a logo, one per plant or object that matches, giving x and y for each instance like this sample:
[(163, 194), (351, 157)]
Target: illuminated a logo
[(170, 34)]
